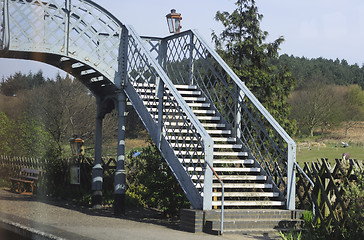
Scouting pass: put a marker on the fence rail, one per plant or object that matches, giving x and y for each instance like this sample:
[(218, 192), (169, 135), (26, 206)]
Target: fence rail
[(327, 194)]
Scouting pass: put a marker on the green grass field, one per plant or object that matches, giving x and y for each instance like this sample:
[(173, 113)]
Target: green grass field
[(330, 151)]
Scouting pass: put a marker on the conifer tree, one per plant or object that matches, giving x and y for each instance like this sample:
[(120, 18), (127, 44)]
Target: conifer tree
[(242, 45)]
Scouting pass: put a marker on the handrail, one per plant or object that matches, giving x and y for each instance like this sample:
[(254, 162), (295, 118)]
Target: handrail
[(222, 197), (206, 138), (252, 124), (310, 181), (6, 28)]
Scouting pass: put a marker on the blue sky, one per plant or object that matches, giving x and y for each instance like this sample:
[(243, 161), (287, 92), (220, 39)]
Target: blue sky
[(312, 28)]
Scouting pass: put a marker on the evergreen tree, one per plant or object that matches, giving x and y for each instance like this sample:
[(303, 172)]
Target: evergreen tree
[(242, 45)]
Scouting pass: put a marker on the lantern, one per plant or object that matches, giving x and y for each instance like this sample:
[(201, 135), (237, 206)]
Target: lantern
[(77, 146), (174, 21)]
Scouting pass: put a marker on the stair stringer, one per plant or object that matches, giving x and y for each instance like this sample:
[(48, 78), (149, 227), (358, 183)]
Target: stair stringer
[(165, 149)]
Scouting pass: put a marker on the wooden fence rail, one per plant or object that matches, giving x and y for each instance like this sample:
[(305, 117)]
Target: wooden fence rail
[(327, 196)]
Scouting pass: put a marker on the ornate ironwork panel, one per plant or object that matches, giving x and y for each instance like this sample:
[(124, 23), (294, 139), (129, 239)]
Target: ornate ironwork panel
[(190, 60)]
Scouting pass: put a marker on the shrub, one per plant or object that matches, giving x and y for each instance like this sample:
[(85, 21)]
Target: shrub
[(152, 183)]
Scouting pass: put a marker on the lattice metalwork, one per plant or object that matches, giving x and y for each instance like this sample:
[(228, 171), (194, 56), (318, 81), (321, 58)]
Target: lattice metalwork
[(184, 137), (78, 29), (82, 38), (189, 60)]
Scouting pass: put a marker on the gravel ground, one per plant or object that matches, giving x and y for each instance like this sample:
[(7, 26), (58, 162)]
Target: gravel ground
[(67, 221)]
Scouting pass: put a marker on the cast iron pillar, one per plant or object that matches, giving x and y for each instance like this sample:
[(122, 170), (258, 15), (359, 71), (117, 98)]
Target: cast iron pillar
[(97, 171), (119, 185)]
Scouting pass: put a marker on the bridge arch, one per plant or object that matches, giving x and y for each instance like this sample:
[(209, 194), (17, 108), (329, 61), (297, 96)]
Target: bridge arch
[(81, 38), (78, 36), (112, 60)]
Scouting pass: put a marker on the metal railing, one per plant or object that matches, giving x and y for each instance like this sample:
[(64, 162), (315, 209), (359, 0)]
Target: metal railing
[(82, 38), (146, 75), (188, 59), (222, 197), (4, 25)]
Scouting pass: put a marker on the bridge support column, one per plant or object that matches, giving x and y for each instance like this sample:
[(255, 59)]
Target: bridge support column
[(120, 182), (97, 171)]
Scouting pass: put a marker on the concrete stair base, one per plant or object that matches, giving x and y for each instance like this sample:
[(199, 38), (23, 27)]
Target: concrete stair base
[(258, 222)]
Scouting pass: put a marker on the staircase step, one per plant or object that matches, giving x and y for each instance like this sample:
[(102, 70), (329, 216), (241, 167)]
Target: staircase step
[(190, 93), (213, 125), (244, 185), (221, 161), (228, 146), (223, 139), (234, 161), (256, 226), (167, 104), (255, 214), (246, 194), (212, 132), (186, 87), (208, 118), (224, 154), (235, 177), (253, 203), (194, 99), (223, 169)]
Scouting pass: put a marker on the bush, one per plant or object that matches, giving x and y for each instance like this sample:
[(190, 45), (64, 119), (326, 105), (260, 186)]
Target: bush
[(351, 225), (152, 183)]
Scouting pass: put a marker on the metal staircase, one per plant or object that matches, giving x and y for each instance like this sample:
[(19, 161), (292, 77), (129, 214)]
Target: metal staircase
[(244, 182), (195, 108)]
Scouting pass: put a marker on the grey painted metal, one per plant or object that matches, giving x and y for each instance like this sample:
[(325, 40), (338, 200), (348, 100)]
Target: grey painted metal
[(193, 195), (267, 141), (85, 40), (65, 34), (222, 198), (144, 79), (4, 26), (120, 179), (97, 171)]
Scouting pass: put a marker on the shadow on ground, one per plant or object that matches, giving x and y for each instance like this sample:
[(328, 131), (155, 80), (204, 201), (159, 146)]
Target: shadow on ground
[(136, 214)]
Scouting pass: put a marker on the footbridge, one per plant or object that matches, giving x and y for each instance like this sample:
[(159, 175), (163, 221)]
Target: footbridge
[(204, 120)]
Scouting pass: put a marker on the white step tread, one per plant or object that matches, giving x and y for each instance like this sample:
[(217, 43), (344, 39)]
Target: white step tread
[(192, 104), (249, 203), (194, 99), (246, 194), (208, 118), (221, 161), (235, 177), (229, 146), (213, 125), (233, 161), (224, 169), (188, 87), (241, 185)]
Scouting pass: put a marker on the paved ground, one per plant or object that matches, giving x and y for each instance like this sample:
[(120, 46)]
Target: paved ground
[(62, 220)]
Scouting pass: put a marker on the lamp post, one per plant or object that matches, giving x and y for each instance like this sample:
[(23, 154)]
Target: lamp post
[(78, 152), (174, 21)]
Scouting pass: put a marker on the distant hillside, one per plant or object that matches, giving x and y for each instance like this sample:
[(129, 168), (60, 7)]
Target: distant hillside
[(337, 71)]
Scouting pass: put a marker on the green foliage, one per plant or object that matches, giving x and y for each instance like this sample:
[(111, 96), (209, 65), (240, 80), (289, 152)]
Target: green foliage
[(291, 235), (354, 224), (6, 134), (337, 71), (152, 183), (351, 224), (19, 82), (23, 137), (242, 45)]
